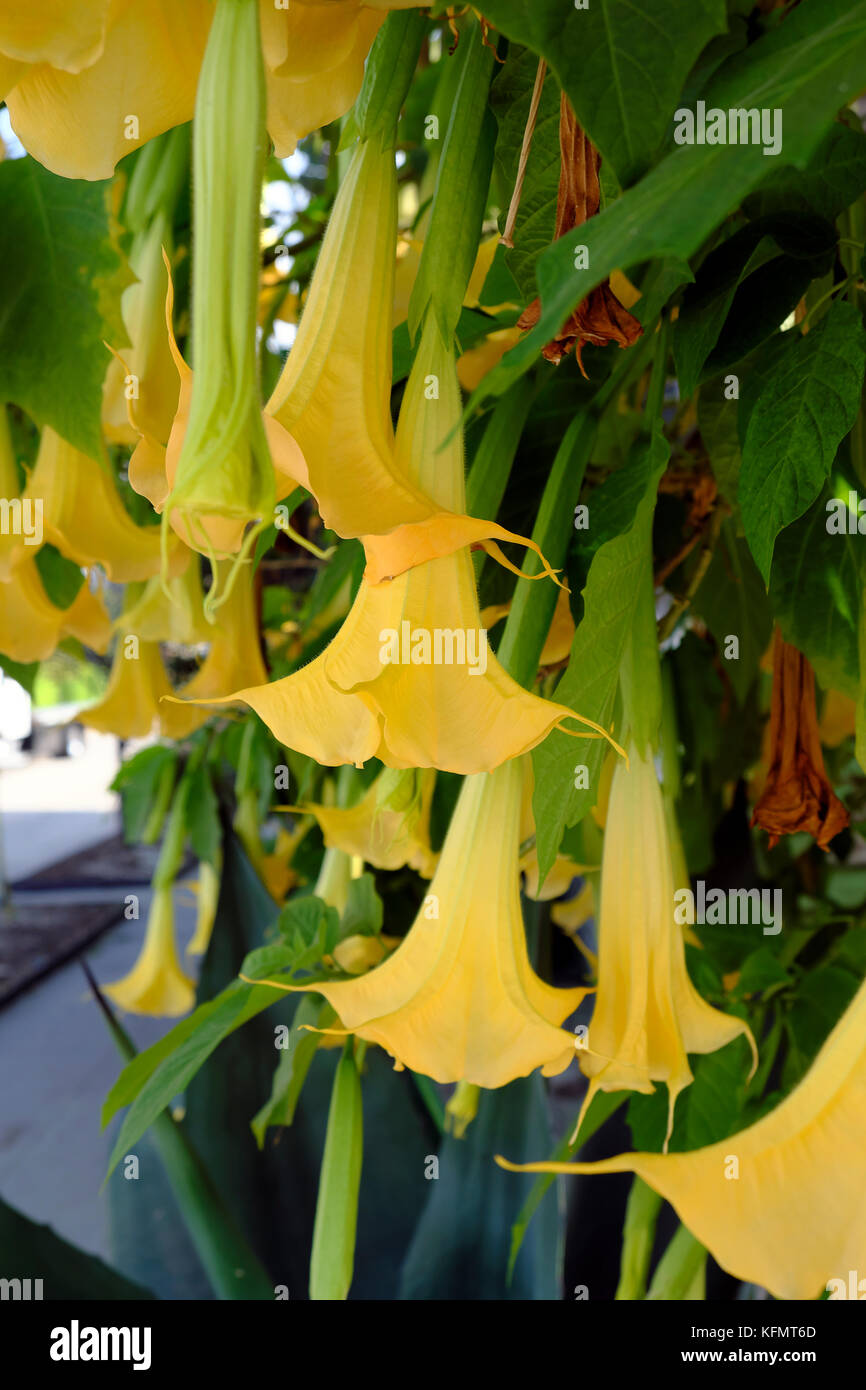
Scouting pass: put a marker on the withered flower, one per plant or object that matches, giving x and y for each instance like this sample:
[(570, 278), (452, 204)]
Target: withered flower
[(797, 794), (600, 318)]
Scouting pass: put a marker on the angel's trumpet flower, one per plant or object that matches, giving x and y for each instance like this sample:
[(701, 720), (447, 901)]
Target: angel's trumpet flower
[(84, 516), (171, 613), (781, 1203), (648, 1015), (156, 985), (235, 651), (224, 471), (31, 626), (119, 73), (389, 826), (408, 678), (137, 681), (797, 794), (134, 703), (143, 382), (458, 1000), (207, 891), (333, 395)]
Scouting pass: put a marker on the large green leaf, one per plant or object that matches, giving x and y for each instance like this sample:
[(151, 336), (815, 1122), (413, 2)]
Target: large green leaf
[(815, 589), (31, 1251), (803, 412), (747, 288), (461, 1246), (807, 67), (61, 278), (733, 603), (622, 65), (590, 682), (510, 97)]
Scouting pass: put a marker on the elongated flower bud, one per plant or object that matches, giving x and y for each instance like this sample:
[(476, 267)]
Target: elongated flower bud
[(224, 468)]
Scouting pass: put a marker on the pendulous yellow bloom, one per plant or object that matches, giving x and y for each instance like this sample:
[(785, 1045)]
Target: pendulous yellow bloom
[(781, 1203), (84, 516), (156, 985), (172, 612), (142, 382), (118, 72), (389, 826), (458, 1000), (333, 395), (235, 652), (383, 688), (31, 626), (207, 891), (648, 1015)]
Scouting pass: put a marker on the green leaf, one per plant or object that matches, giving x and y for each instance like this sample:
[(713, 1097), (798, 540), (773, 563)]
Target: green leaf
[(717, 422), (152, 1080), (293, 1066), (59, 270), (815, 588), (807, 67), (460, 196), (831, 181), (798, 421), (32, 1251), (622, 66), (363, 912), (461, 1244), (822, 998), (733, 283), (61, 578), (590, 682), (202, 815), (139, 782), (732, 601), (510, 97), (310, 923), (761, 970)]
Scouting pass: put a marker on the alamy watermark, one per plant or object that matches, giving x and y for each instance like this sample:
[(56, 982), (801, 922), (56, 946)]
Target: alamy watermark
[(719, 907), (438, 646), (22, 516), (738, 126)]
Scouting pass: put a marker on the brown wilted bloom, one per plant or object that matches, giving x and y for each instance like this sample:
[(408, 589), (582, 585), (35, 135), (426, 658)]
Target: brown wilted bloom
[(600, 318), (797, 794)]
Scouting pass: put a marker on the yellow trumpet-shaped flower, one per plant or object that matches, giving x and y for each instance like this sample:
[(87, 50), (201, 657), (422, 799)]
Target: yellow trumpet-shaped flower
[(172, 612), (118, 73), (132, 704), (333, 395), (389, 826), (144, 381), (207, 891), (154, 463), (458, 1000), (84, 516), (409, 678), (781, 1203), (31, 626), (156, 985), (234, 654), (648, 1015)]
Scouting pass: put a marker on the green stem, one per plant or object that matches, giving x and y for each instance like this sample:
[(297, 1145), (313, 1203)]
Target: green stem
[(638, 1234), (533, 603), (232, 1268), (679, 1269)]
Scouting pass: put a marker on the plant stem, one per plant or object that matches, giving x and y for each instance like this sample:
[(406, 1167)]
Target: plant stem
[(679, 1269), (641, 1215)]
